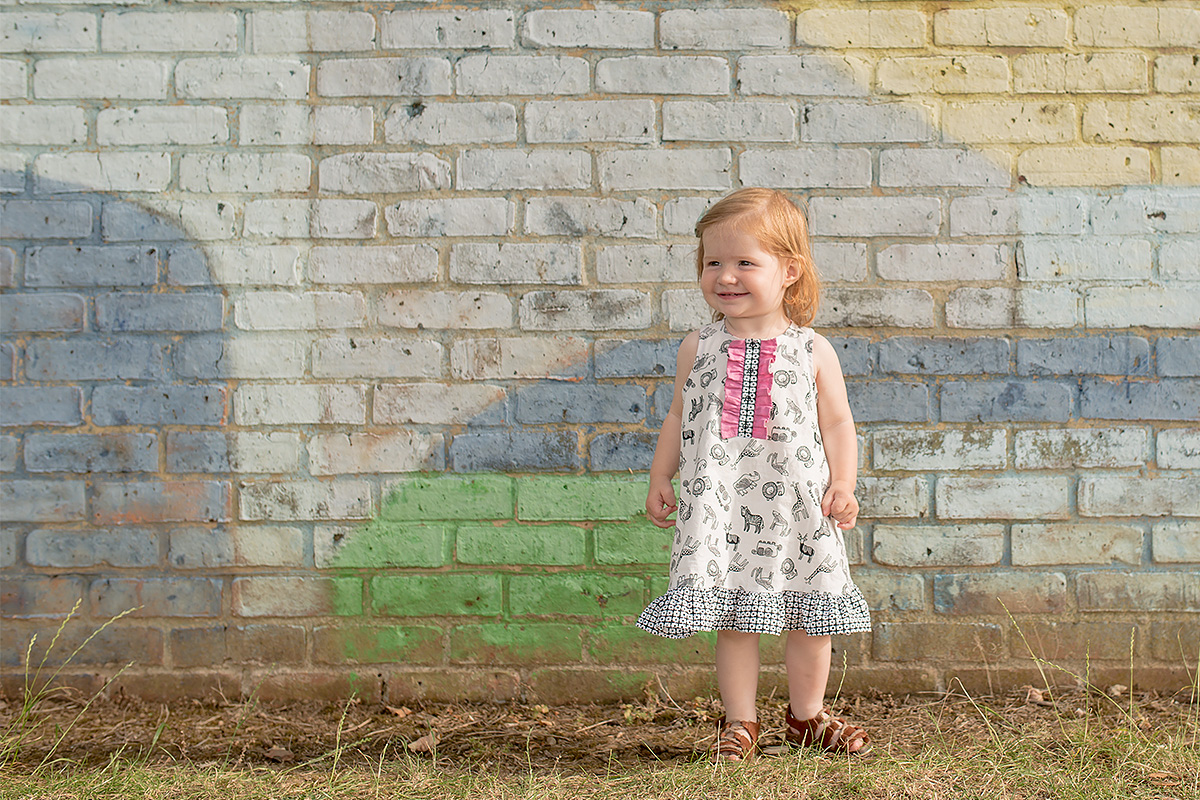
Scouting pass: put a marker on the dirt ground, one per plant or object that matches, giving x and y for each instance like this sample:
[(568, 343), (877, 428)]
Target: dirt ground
[(517, 736)]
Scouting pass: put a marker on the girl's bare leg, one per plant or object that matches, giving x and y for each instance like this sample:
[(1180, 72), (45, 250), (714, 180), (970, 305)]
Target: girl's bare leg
[(807, 659), (737, 674)]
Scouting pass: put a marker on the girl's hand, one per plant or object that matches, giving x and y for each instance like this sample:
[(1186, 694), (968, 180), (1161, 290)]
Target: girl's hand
[(840, 504), (660, 503)]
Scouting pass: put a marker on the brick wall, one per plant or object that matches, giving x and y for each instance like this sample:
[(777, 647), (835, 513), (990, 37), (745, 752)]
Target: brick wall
[(334, 340)]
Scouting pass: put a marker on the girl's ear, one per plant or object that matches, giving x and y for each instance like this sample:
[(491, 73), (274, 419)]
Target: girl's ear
[(791, 271)]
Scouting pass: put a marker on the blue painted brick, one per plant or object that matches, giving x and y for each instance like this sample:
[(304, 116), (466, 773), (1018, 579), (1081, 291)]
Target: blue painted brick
[(119, 547), (1086, 355), (1167, 399), (8, 361), (636, 358), (187, 266), (1178, 356), (664, 393), (127, 222), (854, 353), (556, 402), (8, 268), (622, 450), (205, 451), (84, 360), (84, 265), (159, 312), (157, 597), (158, 405), (91, 452), (40, 405), (8, 453), (944, 356), (45, 219), (888, 401), (515, 450), (1006, 401), (41, 312)]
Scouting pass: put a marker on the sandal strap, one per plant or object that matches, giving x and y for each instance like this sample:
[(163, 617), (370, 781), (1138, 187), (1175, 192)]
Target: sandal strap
[(735, 740), (828, 732)]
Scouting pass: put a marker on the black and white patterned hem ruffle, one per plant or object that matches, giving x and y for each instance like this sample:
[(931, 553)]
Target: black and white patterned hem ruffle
[(682, 612)]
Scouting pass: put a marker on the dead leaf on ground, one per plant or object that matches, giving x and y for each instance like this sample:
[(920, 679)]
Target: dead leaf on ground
[(425, 744), (401, 712), (280, 754), (1164, 779)]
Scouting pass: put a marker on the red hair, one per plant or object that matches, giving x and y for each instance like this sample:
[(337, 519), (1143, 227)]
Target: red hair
[(782, 230)]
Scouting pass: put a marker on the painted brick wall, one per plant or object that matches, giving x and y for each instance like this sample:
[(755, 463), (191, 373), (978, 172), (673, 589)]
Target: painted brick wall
[(335, 338)]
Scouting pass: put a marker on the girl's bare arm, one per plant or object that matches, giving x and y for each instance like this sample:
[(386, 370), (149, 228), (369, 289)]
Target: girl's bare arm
[(837, 434), (660, 501)]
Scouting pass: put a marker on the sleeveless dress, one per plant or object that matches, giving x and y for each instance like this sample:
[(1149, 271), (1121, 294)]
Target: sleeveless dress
[(752, 552)]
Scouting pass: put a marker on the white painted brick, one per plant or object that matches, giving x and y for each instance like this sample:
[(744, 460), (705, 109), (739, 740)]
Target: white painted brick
[(646, 263), (411, 308), (522, 75), (962, 74), (685, 309), (343, 125), (875, 216), (115, 79), (743, 121), (359, 265), (459, 216), (273, 32), (434, 403), (1048, 308), (1177, 260), (383, 173), (893, 497), (940, 450), (1137, 211), (304, 500), (48, 33), (979, 307), (314, 31), (862, 122), (253, 356), (1077, 73), (168, 32), (1095, 258), (584, 216), (306, 404), (1066, 543), (40, 125), (1180, 165), (221, 78), (938, 545), (13, 79), (376, 357), (860, 28), (245, 172), (162, 125), (943, 262), (1176, 73), (592, 310), (1003, 497), (812, 74), (450, 123), (647, 170), (590, 121), (1129, 496), (394, 451), (106, 172), (680, 214), (12, 173), (1176, 542), (457, 30), (522, 169), (663, 75), (840, 261), (383, 77), (1002, 27), (1082, 448), (591, 29), (1084, 166), (552, 356), (1002, 122), (948, 167), (1152, 120), (1127, 25), (1125, 307), (282, 311), (284, 219), (904, 308), (275, 124), (344, 219), (202, 218), (322, 219), (723, 29), (516, 262), (1009, 216), (268, 265)]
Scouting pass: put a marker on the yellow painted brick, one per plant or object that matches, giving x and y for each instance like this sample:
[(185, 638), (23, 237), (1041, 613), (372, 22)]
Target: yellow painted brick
[(943, 75), (1181, 166), (1142, 121), (1002, 27), (857, 28), (1097, 72), (1037, 123), (1139, 26), (1084, 166), (1177, 74)]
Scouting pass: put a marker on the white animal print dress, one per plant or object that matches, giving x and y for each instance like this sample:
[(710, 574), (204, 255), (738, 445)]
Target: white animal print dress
[(752, 552)]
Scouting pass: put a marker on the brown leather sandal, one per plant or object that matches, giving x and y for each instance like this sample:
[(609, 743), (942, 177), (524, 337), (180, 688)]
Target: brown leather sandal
[(736, 741), (827, 732)]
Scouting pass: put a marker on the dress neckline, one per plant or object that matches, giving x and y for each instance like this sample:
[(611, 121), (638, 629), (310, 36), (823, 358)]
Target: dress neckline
[(730, 334)]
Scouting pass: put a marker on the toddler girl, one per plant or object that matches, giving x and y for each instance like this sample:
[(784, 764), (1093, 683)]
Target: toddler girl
[(762, 436)]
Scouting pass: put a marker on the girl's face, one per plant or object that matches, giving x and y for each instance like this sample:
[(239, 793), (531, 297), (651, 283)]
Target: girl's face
[(743, 281)]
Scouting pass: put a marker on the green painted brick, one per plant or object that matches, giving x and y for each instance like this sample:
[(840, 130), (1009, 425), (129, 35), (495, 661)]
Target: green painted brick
[(555, 545), (590, 594), (374, 644), (638, 542), (626, 644), (659, 585), (512, 643), (436, 595), (580, 498), (450, 497), (383, 543)]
